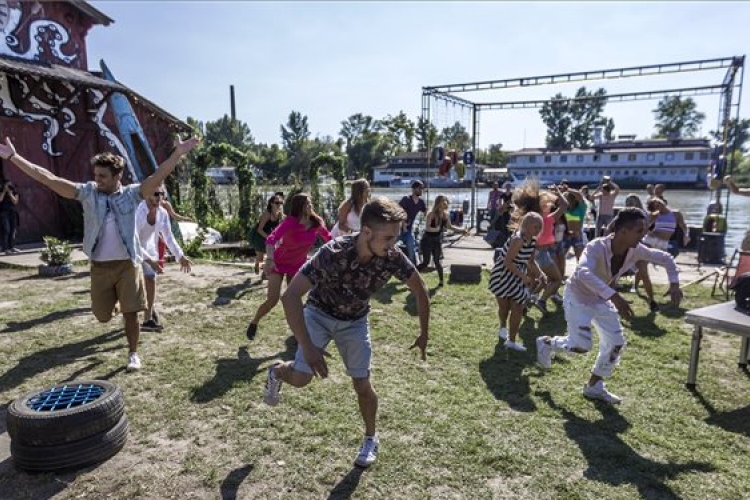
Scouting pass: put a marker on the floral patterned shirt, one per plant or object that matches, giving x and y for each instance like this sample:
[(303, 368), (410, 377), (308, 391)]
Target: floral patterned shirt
[(342, 285)]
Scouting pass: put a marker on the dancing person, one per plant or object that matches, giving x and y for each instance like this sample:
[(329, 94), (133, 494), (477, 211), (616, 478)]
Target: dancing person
[(606, 193), (553, 206), (412, 205), (8, 217), (286, 251), (431, 245), (350, 210), (110, 240), (590, 299), (514, 275), (152, 223), (339, 312), (270, 219)]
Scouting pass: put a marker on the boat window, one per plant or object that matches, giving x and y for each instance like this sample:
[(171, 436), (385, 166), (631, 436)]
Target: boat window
[(689, 156), (563, 158), (532, 159), (670, 156), (704, 155), (596, 157), (631, 157), (650, 156), (613, 158), (547, 159), (579, 158)]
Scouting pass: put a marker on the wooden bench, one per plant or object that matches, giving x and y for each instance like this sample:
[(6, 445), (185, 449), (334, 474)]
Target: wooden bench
[(722, 317)]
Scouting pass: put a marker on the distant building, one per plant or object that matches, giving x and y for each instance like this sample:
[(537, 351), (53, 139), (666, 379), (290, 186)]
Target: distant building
[(405, 168), (57, 112), (630, 162)]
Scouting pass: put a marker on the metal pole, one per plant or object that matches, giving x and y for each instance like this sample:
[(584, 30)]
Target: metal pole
[(474, 128)]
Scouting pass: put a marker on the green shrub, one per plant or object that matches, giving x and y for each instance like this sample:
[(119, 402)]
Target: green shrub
[(56, 252)]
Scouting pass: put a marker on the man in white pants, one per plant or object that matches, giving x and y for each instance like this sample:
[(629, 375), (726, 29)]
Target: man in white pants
[(151, 219), (589, 298)]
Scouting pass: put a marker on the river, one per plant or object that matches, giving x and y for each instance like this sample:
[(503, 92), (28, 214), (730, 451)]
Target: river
[(691, 203)]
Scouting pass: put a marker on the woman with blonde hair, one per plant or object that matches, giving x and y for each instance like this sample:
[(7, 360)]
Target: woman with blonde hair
[(431, 244), (351, 209)]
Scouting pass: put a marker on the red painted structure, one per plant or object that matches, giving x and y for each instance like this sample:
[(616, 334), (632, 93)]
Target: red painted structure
[(56, 112)]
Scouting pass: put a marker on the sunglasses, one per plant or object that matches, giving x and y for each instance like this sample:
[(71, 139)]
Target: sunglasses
[(159, 193), (278, 202)]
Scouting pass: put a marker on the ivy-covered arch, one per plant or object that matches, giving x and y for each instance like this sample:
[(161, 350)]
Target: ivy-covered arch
[(218, 154), (336, 164)]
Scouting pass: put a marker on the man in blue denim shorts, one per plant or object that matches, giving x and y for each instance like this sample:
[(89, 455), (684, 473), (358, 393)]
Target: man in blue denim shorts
[(341, 277)]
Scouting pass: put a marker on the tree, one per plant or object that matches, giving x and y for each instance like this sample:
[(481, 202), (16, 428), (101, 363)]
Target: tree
[(364, 144), (493, 155), (399, 134), (294, 137), (357, 126), (427, 134), (736, 130), (679, 117), (570, 122), (271, 160), (456, 137), (227, 131), (556, 115)]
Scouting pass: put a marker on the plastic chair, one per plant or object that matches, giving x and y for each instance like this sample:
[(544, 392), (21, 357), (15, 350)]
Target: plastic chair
[(722, 279)]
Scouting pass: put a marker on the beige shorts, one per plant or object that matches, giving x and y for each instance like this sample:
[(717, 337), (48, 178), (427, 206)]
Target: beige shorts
[(116, 281)]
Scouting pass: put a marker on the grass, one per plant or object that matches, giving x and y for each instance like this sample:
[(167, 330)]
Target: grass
[(474, 421)]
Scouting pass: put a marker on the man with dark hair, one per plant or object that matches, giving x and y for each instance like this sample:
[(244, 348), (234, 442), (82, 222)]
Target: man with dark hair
[(412, 205), (341, 277), (110, 240), (590, 299)]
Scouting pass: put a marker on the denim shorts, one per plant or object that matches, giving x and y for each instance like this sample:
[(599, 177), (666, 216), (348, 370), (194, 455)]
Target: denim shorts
[(148, 271), (545, 256), (352, 340), (574, 241)]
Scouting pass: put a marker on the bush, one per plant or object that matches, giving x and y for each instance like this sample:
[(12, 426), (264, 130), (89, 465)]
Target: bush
[(193, 247), (231, 228), (56, 252)]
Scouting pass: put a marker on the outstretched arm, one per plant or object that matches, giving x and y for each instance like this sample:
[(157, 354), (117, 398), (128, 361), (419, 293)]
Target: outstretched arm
[(734, 188), (419, 289), (170, 210), (63, 187), (152, 182)]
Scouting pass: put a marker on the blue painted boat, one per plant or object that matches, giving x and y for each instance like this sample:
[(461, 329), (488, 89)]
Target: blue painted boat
[(131, 133)]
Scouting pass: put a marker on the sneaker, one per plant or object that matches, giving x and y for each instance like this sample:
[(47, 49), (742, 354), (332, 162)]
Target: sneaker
[(543, 353), (252, 329), (633, 289), (599, 391), (509, 344), (134, 362), (541, 305), (272, 391), (368, 453), (653, 306), (14, 250), (557, 299), (151, 326), (503, 333), (155, 317)]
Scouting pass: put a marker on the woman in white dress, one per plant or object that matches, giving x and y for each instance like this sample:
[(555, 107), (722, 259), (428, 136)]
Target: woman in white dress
[(350, 210)]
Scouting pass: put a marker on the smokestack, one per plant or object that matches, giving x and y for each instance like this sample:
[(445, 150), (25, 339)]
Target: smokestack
[(231, 102)]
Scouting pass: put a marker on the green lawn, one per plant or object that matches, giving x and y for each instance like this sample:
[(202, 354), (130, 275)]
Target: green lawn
[(474, 421)]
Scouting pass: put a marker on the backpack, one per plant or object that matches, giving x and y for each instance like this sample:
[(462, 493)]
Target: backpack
[(741, 287)]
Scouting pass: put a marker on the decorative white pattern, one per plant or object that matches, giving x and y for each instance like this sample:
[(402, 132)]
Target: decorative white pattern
[(104, 131), (44, 35)]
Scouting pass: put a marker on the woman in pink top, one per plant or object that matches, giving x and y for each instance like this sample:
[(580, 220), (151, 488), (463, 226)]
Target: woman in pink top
[(546, 247), (286, 251)]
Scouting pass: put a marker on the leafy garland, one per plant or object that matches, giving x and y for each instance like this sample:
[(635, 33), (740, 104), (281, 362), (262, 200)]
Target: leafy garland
[(336, 165)]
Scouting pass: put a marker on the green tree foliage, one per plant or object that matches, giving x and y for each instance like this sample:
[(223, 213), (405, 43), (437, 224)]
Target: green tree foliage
[(426, 134), (399, 132), (493, 155), (570, 122), (677, 116), (334, 164), (270, 160), (365, 145), (455, 137), (227, 131), (736, 130), (294, 137)]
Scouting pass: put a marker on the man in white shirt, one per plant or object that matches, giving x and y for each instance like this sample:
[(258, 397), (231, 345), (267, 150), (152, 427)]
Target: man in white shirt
[(591, 299), (151, 219)]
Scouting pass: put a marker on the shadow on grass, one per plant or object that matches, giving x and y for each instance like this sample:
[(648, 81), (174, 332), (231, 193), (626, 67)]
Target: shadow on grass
[(225, 294), (47, 359), (644, 326), (66, 277), (232, 482), (19, 326), (614, 462), (503, 373), (348, 485), (243, 367), (737, 421)]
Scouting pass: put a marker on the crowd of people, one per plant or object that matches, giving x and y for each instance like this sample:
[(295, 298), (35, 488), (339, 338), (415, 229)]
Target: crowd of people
[(123, 226)]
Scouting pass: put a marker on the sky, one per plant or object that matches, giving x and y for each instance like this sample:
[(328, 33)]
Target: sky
[(329, 60)]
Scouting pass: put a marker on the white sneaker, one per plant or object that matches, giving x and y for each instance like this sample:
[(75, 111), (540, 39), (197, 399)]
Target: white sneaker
[(272, 391), (134, 362), (368, 453), (543, 353), (599, 391), (509, 344), (503, 333)]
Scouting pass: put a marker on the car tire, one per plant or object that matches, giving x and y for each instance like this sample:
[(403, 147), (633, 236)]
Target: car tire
[(65, 413), (88, 451)]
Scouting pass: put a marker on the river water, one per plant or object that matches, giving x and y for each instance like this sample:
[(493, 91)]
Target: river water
[(691, 203)]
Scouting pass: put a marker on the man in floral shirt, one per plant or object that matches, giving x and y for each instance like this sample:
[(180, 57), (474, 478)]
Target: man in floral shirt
[(341, 277)]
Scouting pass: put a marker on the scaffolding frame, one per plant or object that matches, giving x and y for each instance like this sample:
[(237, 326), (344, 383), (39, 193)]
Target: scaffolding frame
[(730, 90)]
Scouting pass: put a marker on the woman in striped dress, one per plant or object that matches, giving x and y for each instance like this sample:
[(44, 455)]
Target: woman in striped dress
[(514, 274)]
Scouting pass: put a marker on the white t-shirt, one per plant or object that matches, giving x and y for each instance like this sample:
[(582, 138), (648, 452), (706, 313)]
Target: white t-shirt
[(148, 234), (110, 245)]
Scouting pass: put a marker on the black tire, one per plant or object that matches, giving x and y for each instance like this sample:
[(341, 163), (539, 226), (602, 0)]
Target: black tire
[(29, 427), (89, 451)]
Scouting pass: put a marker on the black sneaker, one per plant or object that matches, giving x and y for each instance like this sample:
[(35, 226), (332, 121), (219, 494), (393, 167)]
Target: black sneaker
[(653, 306), (151, 326), (252, 329), (155, 317)]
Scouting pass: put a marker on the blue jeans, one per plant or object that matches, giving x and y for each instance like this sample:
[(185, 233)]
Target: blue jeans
[(8, 228), (407, 237)]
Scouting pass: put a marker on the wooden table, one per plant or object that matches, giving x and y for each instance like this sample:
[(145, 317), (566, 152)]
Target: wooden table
[(722, 317)]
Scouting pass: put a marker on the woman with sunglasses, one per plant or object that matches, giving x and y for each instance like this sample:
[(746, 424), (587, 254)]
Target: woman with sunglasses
[(268, 221), (286, 251)]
